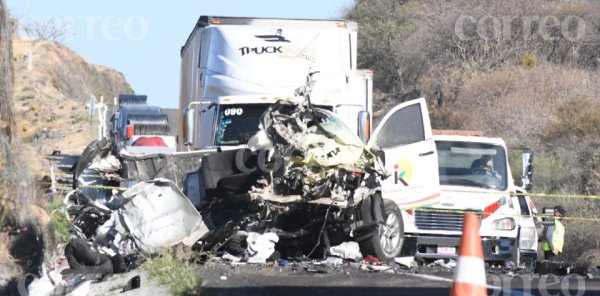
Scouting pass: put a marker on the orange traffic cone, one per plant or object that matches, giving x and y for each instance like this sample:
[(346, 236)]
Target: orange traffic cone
[(469, 275)]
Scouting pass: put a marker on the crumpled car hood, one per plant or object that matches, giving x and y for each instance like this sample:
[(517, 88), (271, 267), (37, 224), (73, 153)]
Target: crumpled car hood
[(314, 145), (303, 134)]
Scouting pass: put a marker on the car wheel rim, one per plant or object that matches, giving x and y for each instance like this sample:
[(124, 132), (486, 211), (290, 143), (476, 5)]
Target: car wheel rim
[(389, 235)]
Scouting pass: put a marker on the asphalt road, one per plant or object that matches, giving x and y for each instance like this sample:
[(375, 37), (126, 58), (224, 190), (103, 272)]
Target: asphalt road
[(224, 279)]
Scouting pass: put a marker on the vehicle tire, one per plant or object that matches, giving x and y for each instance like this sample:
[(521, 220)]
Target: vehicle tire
[(237, 245), (386, 243)]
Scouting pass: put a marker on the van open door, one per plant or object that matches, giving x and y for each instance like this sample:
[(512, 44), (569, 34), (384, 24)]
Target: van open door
[(408, 151)]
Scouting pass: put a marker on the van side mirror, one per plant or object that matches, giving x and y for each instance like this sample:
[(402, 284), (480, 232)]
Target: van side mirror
[(527, 169), (364, 126), (188, 126)]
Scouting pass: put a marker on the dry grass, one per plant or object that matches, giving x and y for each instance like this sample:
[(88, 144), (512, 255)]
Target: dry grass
[(53, 94)]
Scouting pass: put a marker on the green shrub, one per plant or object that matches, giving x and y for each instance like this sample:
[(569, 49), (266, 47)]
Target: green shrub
[(529, 61), (171, 270), (26, 98), (60, 221)]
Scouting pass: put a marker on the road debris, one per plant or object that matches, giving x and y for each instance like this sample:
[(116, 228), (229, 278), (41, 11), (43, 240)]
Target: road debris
[(408, 262), (316, 186), (334, 261), (261, 246), (347, 250), (445, 263)]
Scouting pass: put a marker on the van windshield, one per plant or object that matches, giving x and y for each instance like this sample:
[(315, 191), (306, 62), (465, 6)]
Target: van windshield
[(237, 123), (472, 164)]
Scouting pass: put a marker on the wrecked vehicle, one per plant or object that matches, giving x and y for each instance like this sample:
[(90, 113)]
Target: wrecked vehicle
[(324, 185), (312, 182), (303, 176)]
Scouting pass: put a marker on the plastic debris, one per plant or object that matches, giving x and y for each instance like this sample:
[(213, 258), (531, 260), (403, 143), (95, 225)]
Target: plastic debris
[(261, 246), (372, 259), (334, 261), (443, 263), (378, 267), (284, 262), (347, 250), (407, 261), (231, 258)]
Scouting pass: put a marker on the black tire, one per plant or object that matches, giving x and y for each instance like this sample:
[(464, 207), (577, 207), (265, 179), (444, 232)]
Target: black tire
[(237, 245), (386, 243)]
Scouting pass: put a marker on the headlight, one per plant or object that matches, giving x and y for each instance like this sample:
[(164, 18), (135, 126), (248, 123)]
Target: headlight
[(504, 224), (527, 238)]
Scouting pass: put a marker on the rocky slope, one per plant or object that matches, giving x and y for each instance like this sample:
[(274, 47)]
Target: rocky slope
[(52, 88)]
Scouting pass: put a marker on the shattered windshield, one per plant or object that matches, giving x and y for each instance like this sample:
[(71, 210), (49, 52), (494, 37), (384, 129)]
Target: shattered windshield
[(237, 123), (472, 164), (338, 129)]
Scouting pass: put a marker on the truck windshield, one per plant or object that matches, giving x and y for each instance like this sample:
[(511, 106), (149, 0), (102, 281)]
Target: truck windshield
[(237, 123), (472, 164)]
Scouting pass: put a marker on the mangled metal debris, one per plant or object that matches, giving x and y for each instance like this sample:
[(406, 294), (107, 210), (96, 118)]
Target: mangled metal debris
[(317, 151), (315, 186), (304, 184), (156, 215)]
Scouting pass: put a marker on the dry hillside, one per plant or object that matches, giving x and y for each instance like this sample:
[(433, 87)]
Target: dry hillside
[(52, 89), (535, 84)]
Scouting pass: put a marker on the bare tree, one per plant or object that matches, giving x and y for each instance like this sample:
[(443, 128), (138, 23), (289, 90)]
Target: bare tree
[(45, 29), (7, 120)]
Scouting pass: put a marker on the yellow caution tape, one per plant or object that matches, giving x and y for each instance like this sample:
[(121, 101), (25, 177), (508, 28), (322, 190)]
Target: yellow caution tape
[(87, 186), (63, 175), (558, 195), (450, 211), (531, 194)]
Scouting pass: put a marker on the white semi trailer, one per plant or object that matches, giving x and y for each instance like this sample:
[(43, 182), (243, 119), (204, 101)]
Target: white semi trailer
[(233, 68)]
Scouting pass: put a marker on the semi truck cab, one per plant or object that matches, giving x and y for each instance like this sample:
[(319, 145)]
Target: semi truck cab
[(233, 68)]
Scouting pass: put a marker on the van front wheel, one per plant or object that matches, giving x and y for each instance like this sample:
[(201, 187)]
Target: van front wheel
[(387, 242)]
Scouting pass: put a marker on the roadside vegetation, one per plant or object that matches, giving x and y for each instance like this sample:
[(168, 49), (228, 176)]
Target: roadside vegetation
[(172, 268), (532, 84)]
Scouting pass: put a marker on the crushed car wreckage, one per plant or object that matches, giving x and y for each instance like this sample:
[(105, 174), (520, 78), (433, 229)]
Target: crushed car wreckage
[(303, 184), (304, 177)]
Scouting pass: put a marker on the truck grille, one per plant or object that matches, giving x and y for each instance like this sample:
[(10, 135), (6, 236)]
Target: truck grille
[(434, 219)]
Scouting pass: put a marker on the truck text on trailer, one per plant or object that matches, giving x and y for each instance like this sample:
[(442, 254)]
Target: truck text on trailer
[(233, 68)]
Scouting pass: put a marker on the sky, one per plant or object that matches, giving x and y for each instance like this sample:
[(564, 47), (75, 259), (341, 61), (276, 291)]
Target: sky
[(142, 39)]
